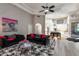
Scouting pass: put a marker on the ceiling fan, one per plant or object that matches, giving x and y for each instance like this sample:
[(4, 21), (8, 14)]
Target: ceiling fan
[(47, 9)]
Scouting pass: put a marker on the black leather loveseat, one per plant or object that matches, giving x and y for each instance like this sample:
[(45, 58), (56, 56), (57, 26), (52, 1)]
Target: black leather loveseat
[(38, 38)]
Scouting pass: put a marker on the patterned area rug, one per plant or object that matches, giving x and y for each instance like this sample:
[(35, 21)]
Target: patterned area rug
[(34, 50)]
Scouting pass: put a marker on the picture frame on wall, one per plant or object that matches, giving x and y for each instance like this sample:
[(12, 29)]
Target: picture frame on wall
[(9, 25)]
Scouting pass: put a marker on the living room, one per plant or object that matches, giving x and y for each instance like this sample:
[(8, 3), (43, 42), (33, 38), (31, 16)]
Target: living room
[(33, 23)]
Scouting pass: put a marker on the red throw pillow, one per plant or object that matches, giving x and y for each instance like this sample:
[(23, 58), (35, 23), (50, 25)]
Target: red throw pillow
[(10, 39), (43, 36), (2, 37), (33, 36)]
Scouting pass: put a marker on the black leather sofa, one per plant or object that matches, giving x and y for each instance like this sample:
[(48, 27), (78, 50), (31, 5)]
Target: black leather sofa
[(8, 40), (38, 38)]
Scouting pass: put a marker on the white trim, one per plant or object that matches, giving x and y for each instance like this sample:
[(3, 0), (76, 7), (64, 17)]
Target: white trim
[(25, 8)]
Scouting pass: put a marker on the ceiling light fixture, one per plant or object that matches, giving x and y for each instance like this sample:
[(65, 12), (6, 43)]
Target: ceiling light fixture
[(47, 9)]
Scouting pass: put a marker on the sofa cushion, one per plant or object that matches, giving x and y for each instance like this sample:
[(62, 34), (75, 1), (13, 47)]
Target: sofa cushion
[(11, 39), (37, 36), (1, 38), (33, 36), (43, 36), (1, 43)]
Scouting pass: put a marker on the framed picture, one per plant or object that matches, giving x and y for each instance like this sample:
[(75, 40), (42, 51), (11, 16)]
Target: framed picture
[(9, 25)]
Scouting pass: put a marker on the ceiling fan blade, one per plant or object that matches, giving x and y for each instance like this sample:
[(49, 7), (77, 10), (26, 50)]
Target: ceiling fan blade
[(41, 11), (43, 7), (51, 6), (51, 10)]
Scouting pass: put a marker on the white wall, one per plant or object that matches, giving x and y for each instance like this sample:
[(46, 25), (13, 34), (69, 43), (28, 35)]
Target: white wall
[(24, 18), (39, 19)]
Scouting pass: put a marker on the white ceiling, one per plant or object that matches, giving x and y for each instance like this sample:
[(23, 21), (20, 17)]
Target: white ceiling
[(34, 8), (37, 6)]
